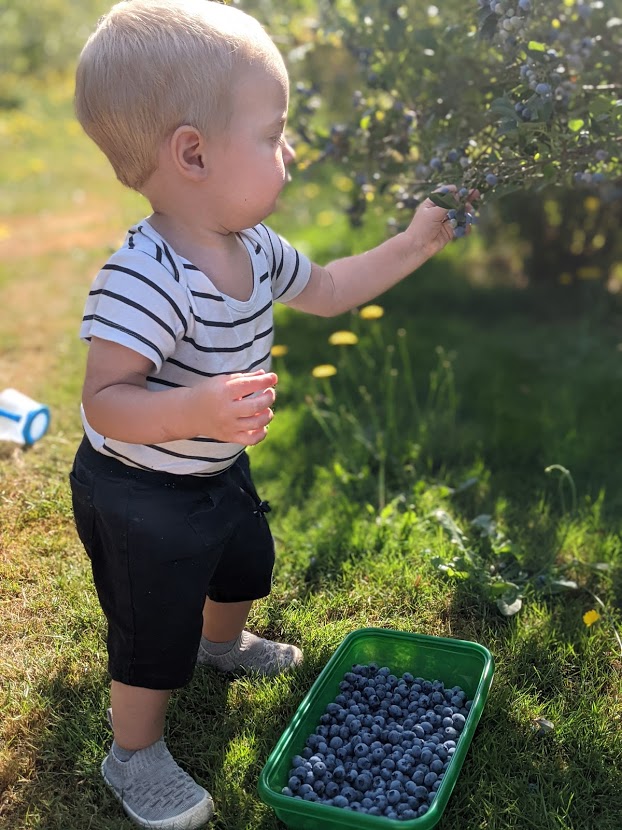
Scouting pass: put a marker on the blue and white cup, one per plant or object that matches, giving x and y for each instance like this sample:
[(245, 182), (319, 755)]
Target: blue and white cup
[(22, 419)]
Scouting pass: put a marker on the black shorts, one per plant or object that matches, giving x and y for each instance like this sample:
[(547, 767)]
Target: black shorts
[(159, 544)]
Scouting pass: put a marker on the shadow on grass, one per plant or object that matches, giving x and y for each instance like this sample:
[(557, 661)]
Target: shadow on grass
[(536, 375), (545, 668), (220, 728)]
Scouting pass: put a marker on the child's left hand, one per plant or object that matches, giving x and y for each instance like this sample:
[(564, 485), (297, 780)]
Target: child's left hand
[(429, 228)]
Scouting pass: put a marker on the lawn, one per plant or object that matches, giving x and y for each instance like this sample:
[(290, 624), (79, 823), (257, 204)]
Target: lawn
[(448, 409)]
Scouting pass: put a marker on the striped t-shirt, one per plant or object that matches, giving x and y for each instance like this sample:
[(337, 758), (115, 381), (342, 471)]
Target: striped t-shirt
[(152, 300)]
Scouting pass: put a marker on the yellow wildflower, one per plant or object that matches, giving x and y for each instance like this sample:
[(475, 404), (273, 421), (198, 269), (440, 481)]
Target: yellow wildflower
[(279, 351), (325, 370), (343, 338), (590, 617), (371, 312)]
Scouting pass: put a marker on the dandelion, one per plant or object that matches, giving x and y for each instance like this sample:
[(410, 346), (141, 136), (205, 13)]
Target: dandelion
[(343, 338), (324, 370), (371, 312), (279, 351), (590, 617)]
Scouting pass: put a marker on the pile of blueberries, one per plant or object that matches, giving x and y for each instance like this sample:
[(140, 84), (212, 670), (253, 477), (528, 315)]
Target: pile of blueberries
[(383, 745)]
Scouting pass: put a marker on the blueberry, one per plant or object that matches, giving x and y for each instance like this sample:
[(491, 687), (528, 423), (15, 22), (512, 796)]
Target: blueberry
[(319, 769), (427, 757), (458, 721), (340, 801), (394, 796)]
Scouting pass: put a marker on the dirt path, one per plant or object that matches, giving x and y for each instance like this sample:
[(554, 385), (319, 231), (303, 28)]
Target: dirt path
[(35, 311)]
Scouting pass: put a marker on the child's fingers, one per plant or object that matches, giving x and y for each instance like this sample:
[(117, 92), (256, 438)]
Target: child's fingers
[(242, 385), (251, 406)]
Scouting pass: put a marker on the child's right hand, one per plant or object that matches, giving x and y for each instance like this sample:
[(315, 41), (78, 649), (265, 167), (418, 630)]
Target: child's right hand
[(234, 408)]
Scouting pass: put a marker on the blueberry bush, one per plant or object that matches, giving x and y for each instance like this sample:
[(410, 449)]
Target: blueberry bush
[(514, 98)]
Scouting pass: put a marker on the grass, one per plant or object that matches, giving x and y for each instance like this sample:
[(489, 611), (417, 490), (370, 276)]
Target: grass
[(523, 380)]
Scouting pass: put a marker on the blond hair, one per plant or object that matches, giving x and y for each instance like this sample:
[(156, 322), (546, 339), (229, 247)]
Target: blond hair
[(152, 66)]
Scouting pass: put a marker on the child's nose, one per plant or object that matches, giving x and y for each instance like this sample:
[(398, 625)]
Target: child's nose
[(289, 154)]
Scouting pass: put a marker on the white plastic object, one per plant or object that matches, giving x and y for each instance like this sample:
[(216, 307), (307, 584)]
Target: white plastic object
[(22, 420)]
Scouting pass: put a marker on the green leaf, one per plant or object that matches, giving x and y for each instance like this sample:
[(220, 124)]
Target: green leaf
[(601, 105), (536, 46), (506, 590), (505, 107), (487, 26), (443, 200), (575, 124), (549, 171), (507, 127)]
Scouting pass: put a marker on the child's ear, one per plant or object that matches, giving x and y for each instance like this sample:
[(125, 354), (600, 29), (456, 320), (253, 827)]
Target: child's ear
[(188, 151)]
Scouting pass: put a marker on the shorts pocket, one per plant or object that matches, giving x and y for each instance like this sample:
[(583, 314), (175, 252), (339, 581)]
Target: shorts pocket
[(83, 511), (211, 520)]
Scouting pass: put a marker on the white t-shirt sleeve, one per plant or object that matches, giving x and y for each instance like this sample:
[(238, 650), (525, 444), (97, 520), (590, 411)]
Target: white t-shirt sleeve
[(136, 302), (289, 268)]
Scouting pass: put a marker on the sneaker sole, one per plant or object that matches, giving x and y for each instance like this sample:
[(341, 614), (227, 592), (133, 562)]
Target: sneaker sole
[(192, 819)]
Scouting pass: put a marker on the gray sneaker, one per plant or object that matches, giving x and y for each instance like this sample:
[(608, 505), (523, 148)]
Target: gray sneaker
[(155, 792), (252, 653)]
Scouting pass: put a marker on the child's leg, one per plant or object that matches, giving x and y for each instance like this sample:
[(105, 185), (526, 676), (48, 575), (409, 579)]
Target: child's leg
[(138, 715), (133, 525), (223, 621), (141, 772), (227, 646)]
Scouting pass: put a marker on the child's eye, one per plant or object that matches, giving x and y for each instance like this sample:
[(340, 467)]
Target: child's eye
[(278, 139)]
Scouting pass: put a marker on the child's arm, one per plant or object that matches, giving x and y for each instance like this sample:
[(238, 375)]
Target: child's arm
[(118, 404), (354, 280)]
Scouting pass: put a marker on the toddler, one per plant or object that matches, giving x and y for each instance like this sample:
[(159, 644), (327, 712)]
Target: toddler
[(188, 100)]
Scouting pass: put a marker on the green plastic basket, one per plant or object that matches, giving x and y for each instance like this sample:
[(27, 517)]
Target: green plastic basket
[(455, 662)]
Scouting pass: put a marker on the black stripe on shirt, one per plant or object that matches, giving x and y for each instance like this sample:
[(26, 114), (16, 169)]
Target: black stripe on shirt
[(204, 296), (171, 260), (230, 325), (163, 382), (228, 349), (120, 455), (159, 448), (123, 270), (202, 374), (280, 268), (135, 305), (287, 287), (272, 247), (133, 334)]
